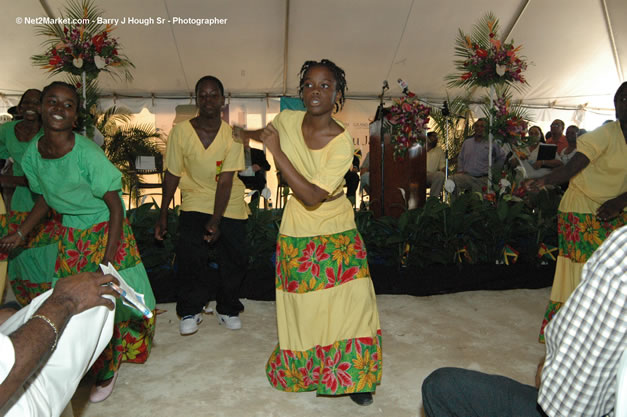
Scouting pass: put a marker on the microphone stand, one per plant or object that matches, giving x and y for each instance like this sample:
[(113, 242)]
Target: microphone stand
[(381, 135), (446, 113)]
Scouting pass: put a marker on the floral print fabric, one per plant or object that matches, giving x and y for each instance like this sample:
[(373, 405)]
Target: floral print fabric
[(320, 262), (81, 251), (346, 366), (579, 235), (28, 283)]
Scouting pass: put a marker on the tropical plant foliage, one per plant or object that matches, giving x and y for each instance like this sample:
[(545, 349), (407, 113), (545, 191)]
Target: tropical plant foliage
[(457, 123), (484, 59), (125, 141)]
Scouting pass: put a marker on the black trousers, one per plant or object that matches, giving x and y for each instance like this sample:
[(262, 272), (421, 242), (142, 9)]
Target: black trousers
[(197, 282)]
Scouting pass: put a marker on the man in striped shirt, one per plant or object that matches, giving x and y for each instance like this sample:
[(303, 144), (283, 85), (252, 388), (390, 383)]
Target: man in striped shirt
[(584, 344)]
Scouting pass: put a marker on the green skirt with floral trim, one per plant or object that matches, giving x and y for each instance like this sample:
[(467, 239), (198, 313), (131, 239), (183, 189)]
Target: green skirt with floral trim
[(31, 265), (323, 264), (82, 251), (579, 235)]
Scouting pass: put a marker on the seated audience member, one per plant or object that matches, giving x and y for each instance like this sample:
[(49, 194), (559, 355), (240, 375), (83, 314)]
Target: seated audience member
[(529, 157), (260, 166), (557, 135), (352, 180), (364, 173), (436, 163), (571, 137), (584, 344), (49, 345), (472, 163)]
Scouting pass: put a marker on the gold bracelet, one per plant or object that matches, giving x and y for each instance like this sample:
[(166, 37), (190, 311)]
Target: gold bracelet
[(54, 328), (19, 233)]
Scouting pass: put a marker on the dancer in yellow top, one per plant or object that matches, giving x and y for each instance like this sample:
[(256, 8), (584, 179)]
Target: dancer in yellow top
[(328, 324)]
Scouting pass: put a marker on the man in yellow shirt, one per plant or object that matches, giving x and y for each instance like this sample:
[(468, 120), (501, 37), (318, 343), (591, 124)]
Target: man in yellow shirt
[(202, 160)]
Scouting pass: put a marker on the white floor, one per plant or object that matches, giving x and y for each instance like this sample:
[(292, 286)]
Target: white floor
[(220, 373)]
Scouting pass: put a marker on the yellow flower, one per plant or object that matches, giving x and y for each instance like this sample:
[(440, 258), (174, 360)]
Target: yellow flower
[(368, 370), (590, 229), (131, 350), (345, 250), (364, 272), (299, 383), (290, 257)]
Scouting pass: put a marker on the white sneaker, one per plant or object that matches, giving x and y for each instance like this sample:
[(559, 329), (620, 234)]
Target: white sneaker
[(189, 324), (230, 322)]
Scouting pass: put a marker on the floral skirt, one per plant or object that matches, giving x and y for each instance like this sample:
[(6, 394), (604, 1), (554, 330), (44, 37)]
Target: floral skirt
[(31, 265), (579, 234), (81, 250), (327, 319)]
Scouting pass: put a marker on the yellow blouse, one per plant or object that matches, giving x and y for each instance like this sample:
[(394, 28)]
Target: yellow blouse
[(199, 168), (605, 177), (325, 168)]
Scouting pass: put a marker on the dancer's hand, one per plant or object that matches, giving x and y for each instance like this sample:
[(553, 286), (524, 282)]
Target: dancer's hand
[(534, 184), (238, 133), (161, 228), (212, 230), (610, 209), (270, 137), (10, 242)]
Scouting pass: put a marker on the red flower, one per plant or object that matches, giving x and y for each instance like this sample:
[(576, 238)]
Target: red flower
[(466, 75), (312, 255), (121, 252), (360, 250), (482, 53), (311, 375), (277, 375), (55, 60), (335, 372), (98, 42), (340, 277), (78, 258)]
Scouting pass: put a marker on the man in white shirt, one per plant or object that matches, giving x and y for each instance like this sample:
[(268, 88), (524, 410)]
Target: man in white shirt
[(47, 347), (436, 163)]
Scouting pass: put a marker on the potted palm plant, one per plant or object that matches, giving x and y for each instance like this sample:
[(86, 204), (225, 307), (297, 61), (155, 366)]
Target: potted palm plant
[(124, 141)]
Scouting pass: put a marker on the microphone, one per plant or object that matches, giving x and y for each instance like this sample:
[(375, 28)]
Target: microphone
[(445, 110), (403, 86), (386, 86)]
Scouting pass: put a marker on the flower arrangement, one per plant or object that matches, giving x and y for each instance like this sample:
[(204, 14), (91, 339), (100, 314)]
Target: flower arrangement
[(408, 119), (507, 126), (87, 47), (485, 60)]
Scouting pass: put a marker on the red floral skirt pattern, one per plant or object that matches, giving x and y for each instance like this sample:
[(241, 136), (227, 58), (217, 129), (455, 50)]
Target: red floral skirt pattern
[(26, 271), (321, 263), (81, 250), (579, 235)]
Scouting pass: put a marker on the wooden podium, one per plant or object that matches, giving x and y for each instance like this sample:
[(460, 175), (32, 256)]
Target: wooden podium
[(410, 175)]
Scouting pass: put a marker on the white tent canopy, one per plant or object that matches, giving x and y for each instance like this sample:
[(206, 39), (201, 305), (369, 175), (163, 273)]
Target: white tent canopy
[(577, 49)]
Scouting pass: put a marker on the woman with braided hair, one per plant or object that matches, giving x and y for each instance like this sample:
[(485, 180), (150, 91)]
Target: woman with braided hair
[(328, 324)]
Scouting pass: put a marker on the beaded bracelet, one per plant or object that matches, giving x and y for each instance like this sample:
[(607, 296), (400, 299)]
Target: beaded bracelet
[(54, 328)]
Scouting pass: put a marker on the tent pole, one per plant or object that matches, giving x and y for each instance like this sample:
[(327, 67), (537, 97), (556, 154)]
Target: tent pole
[(513, 26), (285, 44), (608, 23)]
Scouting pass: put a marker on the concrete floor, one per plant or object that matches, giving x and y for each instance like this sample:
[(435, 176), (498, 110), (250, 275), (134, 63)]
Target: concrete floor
[(220, 373)]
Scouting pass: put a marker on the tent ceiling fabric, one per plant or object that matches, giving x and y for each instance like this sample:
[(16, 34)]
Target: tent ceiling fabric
[(566, 42)]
